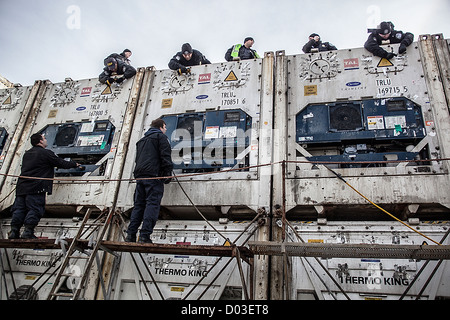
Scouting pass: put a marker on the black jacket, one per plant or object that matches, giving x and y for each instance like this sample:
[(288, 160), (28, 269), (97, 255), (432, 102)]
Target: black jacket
[(322, 46), (179, 62), (374, 41), (153, 155), (123, 68), (119, 57), (40, 162)]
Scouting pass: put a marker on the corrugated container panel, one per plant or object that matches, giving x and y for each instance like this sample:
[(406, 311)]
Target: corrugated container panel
[(219, 118), (370, 119), (90, 123), (15, 106)]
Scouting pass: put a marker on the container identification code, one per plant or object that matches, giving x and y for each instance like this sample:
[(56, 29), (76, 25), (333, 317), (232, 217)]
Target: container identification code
[(385, 87)]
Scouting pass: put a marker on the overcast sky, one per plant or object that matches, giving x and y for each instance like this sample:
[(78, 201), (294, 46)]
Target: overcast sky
[(55, 39)]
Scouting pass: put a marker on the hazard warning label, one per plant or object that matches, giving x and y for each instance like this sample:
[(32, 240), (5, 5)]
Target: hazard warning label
[(7, 101), (107, 90), (385, 63), (231, 76)]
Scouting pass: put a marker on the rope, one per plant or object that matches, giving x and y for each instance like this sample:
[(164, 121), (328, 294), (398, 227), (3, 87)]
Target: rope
[(138, 179), (324, 163)]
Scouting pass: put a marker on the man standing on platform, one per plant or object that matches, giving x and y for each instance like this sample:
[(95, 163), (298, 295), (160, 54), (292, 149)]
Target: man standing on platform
[(153, 159), (29, 206)]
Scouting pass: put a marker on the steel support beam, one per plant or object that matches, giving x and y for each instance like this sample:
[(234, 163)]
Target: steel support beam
[(195, 250)]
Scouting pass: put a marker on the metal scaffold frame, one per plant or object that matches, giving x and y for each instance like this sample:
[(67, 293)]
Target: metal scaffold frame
[(90, 241), (90, 246)]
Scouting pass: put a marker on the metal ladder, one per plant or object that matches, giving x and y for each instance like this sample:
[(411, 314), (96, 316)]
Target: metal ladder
[(68, 267)]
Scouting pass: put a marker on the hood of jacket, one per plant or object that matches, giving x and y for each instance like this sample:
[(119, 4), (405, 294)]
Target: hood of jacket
[(151, 131)]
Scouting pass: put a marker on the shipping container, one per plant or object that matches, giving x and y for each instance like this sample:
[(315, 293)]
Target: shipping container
[(89, 123)]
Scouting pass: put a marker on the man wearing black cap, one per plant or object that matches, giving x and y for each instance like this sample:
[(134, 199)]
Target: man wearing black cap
[(315, 45), (386, 34), (187, 57), (242, 52), (117, 64)]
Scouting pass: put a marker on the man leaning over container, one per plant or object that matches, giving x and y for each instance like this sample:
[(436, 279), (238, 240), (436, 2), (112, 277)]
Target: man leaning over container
[(242, 52), (116, 65), (315, 44), (153, 159), (186, 58), (385, 34), (29, 205)]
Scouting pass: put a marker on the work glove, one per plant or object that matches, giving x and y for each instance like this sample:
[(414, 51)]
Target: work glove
[(120, 80), (182, 70), (110, 81), (390, 55), (402, 49)]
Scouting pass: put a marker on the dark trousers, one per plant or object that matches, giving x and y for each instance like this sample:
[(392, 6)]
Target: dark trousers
[(147, 202), (28, 209)]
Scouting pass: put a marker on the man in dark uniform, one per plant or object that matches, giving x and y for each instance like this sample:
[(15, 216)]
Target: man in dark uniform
[(117, 64), (386, 34), (315, 44), (242, 52), (153, 159), (187, 57), (29, 206)]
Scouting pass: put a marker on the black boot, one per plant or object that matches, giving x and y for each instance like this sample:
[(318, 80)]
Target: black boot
[(130, 238), (28, 233), (145, 239), (14, 233)]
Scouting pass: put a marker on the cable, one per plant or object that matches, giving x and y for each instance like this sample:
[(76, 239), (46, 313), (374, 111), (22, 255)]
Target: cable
[(227, 240), (324, 163), (14, 189)]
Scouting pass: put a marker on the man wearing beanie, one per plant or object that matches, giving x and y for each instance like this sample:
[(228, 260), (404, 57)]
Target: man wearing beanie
[(242, 52), (315, 44), (385, 34), (187, 57)]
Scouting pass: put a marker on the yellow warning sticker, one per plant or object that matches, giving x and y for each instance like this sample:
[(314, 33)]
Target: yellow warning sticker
[(310, 90), (315, 240), (7, 101), (385, 63), (167, 103), (231, 76), (107, 90), (52, 113)]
